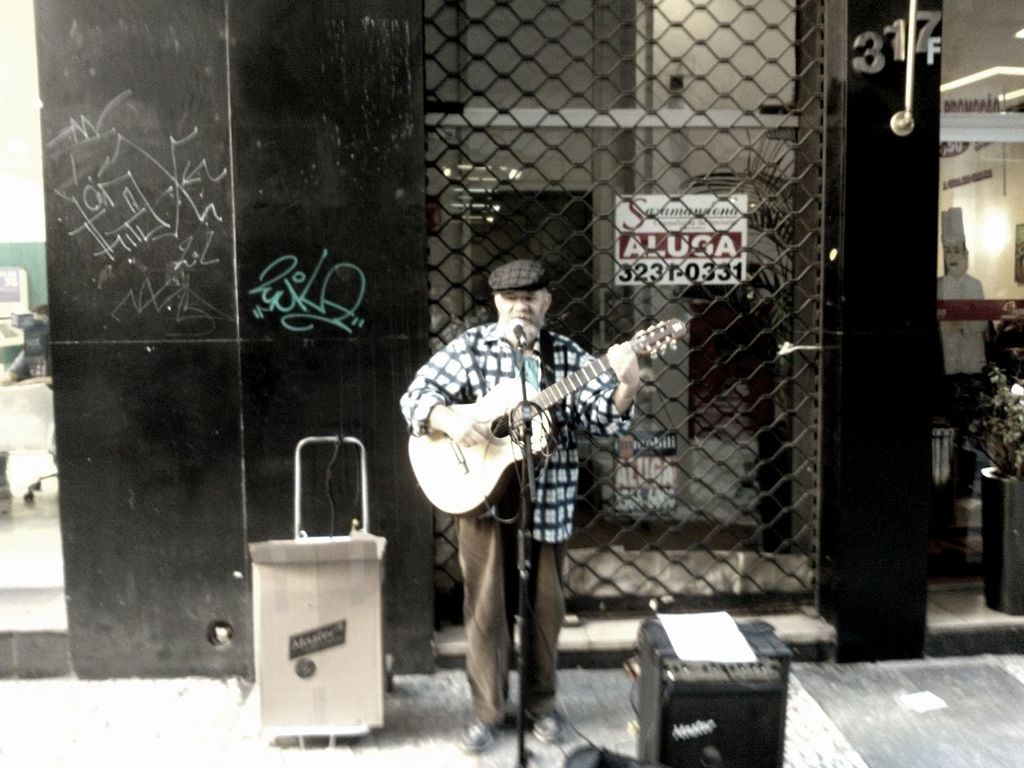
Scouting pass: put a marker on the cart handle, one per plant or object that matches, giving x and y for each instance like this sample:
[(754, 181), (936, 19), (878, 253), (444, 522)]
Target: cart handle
[(334, 439)]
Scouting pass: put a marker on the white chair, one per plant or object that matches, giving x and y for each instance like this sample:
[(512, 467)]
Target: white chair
[(26, 423)]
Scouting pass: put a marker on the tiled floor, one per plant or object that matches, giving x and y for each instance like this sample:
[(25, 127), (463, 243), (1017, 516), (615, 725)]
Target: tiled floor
[(32, 584), (953, 713)]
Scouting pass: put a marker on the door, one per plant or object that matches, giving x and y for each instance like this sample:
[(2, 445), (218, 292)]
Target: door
[(664, 158), (980, 259)]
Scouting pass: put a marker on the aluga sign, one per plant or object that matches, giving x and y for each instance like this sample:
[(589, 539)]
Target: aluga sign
[(685, 240)]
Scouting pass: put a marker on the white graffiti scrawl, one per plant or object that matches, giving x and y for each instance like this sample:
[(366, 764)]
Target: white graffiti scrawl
[(146, 217)]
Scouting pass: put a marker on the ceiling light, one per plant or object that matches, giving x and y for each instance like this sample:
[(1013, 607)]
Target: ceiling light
[(1019, 34), (983, 74), (1005, 97)]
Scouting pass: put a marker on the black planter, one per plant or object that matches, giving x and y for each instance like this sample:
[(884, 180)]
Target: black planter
[(1002, 533)]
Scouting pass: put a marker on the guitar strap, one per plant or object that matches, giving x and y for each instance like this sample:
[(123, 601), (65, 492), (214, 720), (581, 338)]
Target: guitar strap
[(547, 367), (547, 359)]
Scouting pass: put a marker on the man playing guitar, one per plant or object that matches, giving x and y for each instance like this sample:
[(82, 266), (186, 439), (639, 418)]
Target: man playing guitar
[(442, 400)]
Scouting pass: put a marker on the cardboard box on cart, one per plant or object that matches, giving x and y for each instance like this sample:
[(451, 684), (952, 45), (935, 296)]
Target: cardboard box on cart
[(319, 637)]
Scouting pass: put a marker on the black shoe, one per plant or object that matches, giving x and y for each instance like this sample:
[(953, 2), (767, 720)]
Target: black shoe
[(477, 737), (549, 728)]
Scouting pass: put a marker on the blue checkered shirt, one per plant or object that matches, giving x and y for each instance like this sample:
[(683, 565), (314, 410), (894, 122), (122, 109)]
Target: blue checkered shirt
[(472, 364)]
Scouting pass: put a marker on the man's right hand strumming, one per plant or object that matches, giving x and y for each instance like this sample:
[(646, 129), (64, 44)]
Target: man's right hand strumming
[(457, 422)]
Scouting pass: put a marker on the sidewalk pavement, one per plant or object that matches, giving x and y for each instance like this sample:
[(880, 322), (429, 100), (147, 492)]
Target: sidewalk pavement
[(948, 712)]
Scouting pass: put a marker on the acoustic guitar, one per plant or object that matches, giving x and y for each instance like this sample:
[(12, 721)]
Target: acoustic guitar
[(459, 479)]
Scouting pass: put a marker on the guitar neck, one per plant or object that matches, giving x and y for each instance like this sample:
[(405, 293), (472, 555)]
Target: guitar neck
[(575, 381), (641, 344)]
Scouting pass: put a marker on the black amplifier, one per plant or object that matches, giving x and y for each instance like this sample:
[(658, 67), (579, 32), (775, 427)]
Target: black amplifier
[(696, 714)]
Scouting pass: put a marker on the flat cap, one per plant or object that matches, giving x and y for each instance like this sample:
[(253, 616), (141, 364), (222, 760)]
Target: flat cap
[(518, 275)]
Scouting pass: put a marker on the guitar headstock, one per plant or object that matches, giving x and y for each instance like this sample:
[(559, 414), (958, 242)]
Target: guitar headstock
[(659, 337)]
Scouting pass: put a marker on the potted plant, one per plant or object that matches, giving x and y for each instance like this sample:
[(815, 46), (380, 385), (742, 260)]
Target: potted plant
[(1000, 428)]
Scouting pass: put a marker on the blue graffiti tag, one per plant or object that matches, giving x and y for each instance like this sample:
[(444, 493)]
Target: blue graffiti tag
[(285, 289)]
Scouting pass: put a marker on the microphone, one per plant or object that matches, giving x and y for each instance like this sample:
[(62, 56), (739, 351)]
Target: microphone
[(519, 331)]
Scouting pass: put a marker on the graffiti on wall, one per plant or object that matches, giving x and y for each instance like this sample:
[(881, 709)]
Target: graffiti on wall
[(146, 212), (331, 294)]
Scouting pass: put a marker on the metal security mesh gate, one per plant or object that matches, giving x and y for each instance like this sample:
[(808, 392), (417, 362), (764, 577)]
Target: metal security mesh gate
[(664, 158)]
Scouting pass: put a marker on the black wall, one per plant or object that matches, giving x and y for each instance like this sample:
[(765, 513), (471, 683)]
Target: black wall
[(234, 201), (881, 204)]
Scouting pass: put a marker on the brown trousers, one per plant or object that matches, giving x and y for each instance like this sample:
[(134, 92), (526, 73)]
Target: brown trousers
[(488, 558)]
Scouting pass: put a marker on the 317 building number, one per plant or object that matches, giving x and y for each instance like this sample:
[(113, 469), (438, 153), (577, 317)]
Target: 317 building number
[(871, 48)]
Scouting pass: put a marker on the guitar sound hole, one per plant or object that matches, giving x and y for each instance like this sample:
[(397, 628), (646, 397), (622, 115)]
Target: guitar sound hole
[(500, 426)]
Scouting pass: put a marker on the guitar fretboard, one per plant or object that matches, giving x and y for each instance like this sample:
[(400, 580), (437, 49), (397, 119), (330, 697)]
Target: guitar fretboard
[(564, 387)]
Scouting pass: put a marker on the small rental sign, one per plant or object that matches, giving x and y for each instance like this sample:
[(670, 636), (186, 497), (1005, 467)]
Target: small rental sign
[(682, 240)]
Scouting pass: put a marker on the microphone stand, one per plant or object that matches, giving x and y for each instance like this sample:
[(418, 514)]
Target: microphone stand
[(524, 550)]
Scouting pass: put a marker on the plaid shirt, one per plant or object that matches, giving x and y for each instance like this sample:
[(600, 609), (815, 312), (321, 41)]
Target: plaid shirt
[(473, 364)]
